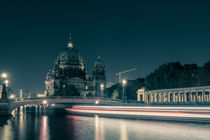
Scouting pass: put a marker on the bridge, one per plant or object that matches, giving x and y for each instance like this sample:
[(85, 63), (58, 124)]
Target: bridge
[(6, 107), (116, 108)]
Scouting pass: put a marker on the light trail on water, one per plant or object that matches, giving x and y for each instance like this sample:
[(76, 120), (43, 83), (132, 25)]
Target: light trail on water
[(192, 114)]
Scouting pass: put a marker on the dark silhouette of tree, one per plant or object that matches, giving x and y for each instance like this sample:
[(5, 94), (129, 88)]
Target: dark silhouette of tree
[(173, 75), (166, 76), (204, 75), (189, 75)]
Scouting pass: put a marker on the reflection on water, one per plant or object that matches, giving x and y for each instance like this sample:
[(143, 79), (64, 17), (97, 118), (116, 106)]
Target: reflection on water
[(44, 130), (39, 126), (6, 131)]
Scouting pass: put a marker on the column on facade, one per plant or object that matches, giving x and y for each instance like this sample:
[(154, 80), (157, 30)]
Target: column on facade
[(145, 97), (202, 96), (196, 96), (154, 96), (182, 96), (151, 97), (168, 97), (179, 97), (185, 97), (160, 97), (191, 97), (209, 96), (174, 97), (164, 97)]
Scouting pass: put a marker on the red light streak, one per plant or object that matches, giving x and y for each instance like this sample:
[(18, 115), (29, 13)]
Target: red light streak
[(178, 112)]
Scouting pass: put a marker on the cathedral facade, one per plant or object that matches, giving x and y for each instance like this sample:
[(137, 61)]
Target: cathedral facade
[(69, 77)]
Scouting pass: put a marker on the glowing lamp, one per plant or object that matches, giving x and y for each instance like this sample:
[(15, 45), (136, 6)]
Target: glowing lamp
[(102, 86), (4, 75), (97, 102), (124, 82), (44, 102), (12, 96), (6, 82)]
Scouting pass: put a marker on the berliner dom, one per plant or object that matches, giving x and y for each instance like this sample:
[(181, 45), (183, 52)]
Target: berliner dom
[(69, 77)]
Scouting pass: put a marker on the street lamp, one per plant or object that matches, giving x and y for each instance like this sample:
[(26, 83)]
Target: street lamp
[(102, 89), (3, 75), (6, 82), (124, 82), (4, 86)]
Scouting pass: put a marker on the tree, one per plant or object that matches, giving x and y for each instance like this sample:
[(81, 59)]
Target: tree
[(204, 75), (115, 94), (166, 76)]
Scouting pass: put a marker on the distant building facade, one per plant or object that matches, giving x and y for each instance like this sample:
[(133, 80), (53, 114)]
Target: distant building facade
[(1, 89), (70, 70), (190, 95)]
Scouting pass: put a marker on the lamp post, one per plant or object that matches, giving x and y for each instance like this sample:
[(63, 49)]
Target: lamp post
[(4, 86), (124, 82), (102, 89)]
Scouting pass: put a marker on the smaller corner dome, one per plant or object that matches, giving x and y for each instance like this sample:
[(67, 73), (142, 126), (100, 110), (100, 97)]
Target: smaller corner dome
[(69, 55), (99, 62)]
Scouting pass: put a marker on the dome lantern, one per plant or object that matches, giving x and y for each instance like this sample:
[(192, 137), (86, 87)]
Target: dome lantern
[(70, 44)]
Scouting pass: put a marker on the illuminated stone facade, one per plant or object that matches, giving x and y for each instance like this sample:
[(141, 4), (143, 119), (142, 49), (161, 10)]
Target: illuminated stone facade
[(191, 95), (1, 89), (70, 70)]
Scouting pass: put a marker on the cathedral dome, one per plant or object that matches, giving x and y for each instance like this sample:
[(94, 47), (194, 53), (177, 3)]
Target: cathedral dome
[(69, 56), (69, 64)]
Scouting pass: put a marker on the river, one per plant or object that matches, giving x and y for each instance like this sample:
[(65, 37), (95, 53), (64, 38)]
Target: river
[(49, 126)]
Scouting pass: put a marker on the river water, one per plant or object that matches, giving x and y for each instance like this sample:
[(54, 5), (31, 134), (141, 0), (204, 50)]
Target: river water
[(47, 126)]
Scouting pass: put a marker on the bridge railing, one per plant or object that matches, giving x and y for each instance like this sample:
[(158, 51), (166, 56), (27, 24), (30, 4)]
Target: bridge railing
[(67, 97)]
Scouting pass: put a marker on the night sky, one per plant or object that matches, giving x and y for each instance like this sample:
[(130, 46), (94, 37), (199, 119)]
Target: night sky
[(126, 34)]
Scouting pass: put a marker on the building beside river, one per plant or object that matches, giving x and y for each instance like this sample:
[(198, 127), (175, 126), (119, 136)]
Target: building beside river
[(190, 95), (1, 87), (69, 74)]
